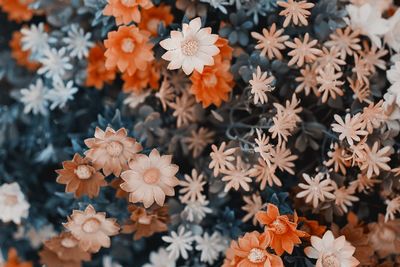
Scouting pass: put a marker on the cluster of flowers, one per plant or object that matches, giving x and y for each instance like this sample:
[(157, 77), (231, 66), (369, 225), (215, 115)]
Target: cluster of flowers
[(270, 108)]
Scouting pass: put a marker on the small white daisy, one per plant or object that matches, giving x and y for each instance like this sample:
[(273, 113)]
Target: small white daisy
[(13, 206), (180, 243), (61, 93), (34, 98), (210, 247), (54, 63), (35, 39), (196, 211), (78, 42), (160, 259)]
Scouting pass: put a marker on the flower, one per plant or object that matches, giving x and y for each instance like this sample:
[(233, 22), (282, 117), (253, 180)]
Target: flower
[(160, 259), (96, 72), (34, 98), (259, 85), (55, 63), (35, 39), (329, 83), (78, 43), (61, 93), (129, 49), (14, 261), (192, 48), (311, 227), (251, 251), (282, 158), (253, 205), (391, 37), (221, 158), (347, 41), (38, 236), (363, 183), (316, 189), (126, 11), (80, 177), (237, 176), (192, 8), (184, 109), (198, 140), (23, 58), (92, 229), (166, 94), (331, 252), (270, 42), (265, 173), (150, 178), (303, 51), (196, 211), (154, 16), (17, 10), (295, 11), (13, 206), (308, 80), (134, 99), (210, 246), (375, 159), (331, 57), (350, 128), (180, 243), (141, 79), (192, 187), (344, 197), (372, 56), (111, 150), (385, 236), (338, 158), (393, 207), (284, 234)]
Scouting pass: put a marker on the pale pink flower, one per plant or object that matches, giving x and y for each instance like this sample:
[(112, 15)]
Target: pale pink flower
[(237, 177), (316, 190), (221, 158)]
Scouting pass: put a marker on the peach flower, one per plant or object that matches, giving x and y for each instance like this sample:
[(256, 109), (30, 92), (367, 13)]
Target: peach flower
[(141, 79), (21, 56), (14, 261), (67, 248), (17, 10), (111, 150), (126, 11), (150, 178), (152, 17), (49, 259), (96, 72)]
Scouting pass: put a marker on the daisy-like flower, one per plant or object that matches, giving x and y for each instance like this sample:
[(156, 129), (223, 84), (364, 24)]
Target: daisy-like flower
[(296, 12), (166, 94), (344, 197), (385, 236), (351, 128), (91, 228), (196, 211), (78, 43), (263, 147), (316, 190), (154, 16), (360, 89), (141, 79), (393, 207), (338, 158), (96, 72), (265, 174), (361, 69), (35, 39), (237, 176), (253, 205), (221, 158), (22, 57), (61, 93), (160, 259), (270, 42), (34, 98), (150, 178), (308, 80), (192, 48), (126, 11), (17, 10), (283, 158), (329, 83), (13, 205), (184, 109), (134, 99), (260, 84), (375, 159), (363, 183), (347, 41), (198, 140), (210, 246), (331, 252), (180, 243), (111, 150), (331, 57), (372, 56), (373, 116), (55, 63), (303, 51), (192, 187), (80, 177)]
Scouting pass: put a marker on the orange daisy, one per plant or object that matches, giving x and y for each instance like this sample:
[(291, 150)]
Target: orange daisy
[(96, 72), (153, 16), (141, 79), (128, 49), (225, 50), (17, 10), (126, 11), (21, 57), (311, 227), (14, 261), (214, 84), (283, 231)]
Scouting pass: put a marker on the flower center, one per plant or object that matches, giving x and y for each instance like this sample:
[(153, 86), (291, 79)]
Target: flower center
[(68, 242), (330, 261), (280, 227), (256, 255), (190, 47), (114, 148), (211, 81), (151, 176), (10, 200), (91, 225), (128, 3), (83, 172), (127, 45)]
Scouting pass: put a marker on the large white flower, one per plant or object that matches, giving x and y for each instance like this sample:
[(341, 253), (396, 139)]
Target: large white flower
[(192, 48), (180, 243), (34, 98), (78, 42), (54, 63), (35, 39), (369, 20), (13, 206), (61, 93)]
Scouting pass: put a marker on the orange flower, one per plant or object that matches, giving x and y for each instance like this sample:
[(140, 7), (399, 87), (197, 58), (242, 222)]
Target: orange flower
[(214, 84), (152, 17), (251, 251), (14, 261), (283, 232), (311, 227), (49, 259), (141, 79), (225, 50), (20, 56), (128, 49), (126, 11), (97, 73), (17, 10)]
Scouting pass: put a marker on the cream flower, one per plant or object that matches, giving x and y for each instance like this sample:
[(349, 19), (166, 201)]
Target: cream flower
[(260, 84), (13, 206), (221, 158), (317, 189), (150, 178), (192, 187), (192, 48)]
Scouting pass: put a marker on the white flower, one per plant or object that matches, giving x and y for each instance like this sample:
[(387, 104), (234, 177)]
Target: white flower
[(210, 247), (393, 75), (392, 37), (34, 98), (37, 237), (218, 4), (13, 206), (196, 211), (35, 39), (180, 243), (317, 189), (192, 48), (160, 259), (260, 84), (54, 63), (369, 20), (61, 93), (331, 252), (136, 98), (78, 42)]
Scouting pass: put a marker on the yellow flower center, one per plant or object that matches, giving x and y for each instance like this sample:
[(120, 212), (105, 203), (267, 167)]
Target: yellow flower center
[(280, 227), (190, 47), (256, 255), (68, 242), (330, 261), (128, 45), (151, 176), (91, 225), (83, 172), (10, 200), (128, 3), (114, 148)]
